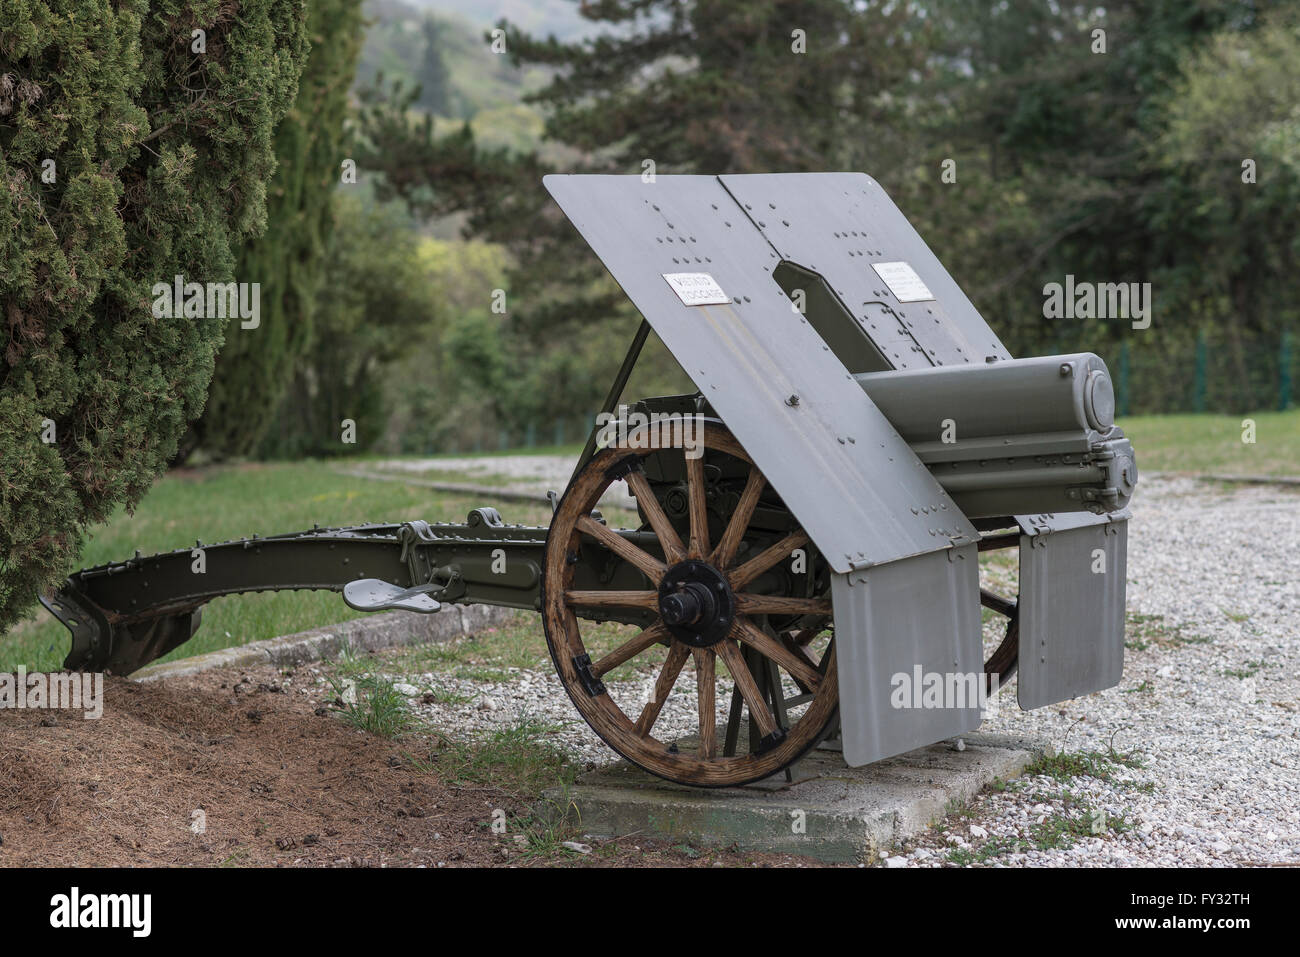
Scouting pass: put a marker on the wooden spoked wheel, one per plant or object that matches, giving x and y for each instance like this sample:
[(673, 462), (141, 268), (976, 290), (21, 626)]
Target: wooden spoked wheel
[(716, 605)]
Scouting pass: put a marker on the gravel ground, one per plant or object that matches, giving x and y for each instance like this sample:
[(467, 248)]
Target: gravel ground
[(1207, 714), (473, 706)]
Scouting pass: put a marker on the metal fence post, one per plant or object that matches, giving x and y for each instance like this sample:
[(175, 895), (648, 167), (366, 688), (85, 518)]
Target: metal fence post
[(559, 430), (1284, 372)]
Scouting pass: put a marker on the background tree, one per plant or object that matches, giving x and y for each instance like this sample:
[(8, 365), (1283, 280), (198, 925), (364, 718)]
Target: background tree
[(434, 77), (710, 86), (256, 366), (151, 179), (1086, 153), (376, 292), (1231, 146)]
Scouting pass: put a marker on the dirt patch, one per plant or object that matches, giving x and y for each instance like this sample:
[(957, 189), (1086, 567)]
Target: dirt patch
[(275, 778)]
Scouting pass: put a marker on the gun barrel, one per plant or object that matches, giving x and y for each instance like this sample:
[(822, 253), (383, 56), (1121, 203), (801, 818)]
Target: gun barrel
[(1015, 436)]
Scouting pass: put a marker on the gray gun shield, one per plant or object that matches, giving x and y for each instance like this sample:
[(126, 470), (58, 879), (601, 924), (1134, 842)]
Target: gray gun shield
[(840, 224), (856, 487)]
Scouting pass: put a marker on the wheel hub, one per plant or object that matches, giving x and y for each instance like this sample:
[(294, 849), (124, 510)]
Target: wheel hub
[(696, 603)]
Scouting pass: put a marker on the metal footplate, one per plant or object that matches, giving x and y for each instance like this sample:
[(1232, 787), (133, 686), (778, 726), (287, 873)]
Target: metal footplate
[(373, 594)]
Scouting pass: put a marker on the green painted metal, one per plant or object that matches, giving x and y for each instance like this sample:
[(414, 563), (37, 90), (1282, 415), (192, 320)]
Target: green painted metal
[(123, 615)]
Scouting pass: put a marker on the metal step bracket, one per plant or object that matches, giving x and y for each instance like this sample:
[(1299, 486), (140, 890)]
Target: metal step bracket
[(373, 594)]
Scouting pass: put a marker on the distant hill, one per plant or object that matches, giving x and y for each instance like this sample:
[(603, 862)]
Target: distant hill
[(560, 17), (445, 51)]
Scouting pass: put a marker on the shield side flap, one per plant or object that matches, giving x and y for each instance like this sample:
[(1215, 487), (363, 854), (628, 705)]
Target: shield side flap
[(1073, 572), (902, 630)]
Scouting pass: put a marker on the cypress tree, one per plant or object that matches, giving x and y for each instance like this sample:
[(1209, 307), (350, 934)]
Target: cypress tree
[(256, 365), (136, 142)]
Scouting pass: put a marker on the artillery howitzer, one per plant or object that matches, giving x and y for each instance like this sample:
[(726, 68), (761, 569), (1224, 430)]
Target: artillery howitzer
[(808, 521)]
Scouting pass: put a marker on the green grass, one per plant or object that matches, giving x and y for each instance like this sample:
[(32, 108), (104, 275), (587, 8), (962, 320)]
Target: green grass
[(379, 707), (1064, 766), (1143, 631), (520, 643), (224, 502), (1211, 444), (1250, 669), (520, 758), (1059, 830)]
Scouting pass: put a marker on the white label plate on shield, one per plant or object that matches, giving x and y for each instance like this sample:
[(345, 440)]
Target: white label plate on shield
[(696, 288), (903, 282)]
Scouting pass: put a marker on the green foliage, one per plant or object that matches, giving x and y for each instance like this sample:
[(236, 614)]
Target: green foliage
[(255, 366), (521, 757), (1233, 112), (1114, 165), (712, 87), (459, 358), (1119, 166), (161, 159), (378, 708), (375, 296)]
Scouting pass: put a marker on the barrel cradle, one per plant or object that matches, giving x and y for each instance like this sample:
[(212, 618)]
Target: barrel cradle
[(808, 521)]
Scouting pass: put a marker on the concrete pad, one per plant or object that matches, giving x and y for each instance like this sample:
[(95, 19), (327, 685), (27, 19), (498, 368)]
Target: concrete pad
[(829, 811)]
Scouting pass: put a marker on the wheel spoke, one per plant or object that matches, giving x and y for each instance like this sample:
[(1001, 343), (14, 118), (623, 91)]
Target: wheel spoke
[(780, 605), (729, 651), (769, 647), (630, 649), (704, 678), (613, 599), (674, 550), (677, 656), (726, 549), (624, 549), (765, 559), (699, 544)]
